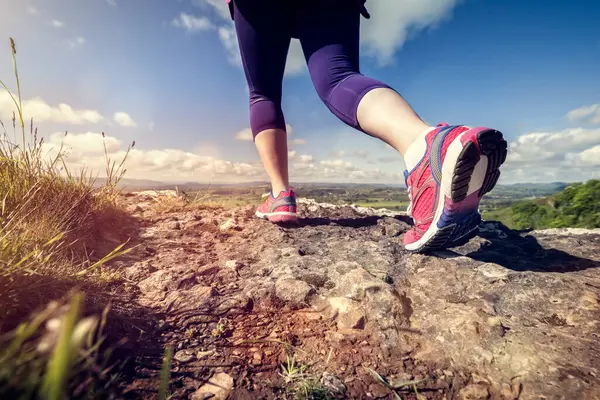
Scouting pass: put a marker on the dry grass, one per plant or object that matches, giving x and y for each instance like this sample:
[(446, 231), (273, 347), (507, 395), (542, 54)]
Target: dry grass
[(57, 230)]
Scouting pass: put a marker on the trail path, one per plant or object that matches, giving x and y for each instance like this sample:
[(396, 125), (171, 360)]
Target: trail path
[(508, 315)]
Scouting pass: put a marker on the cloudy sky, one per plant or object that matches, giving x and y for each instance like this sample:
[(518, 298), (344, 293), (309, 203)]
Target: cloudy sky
[(166, 74)]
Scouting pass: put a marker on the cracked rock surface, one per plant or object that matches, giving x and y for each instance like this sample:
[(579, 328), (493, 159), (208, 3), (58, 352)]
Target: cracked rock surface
[(508, 315)]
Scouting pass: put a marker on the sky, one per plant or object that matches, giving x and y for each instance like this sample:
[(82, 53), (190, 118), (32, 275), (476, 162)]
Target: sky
[(167, 75)]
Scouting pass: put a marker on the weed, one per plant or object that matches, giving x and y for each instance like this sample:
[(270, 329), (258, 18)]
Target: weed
[(223, 326), (165, 374), (51, 226), (300, 384), (55, 352)]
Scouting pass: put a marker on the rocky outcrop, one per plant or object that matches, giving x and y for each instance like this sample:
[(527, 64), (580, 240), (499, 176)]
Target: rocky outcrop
[(507, 315)]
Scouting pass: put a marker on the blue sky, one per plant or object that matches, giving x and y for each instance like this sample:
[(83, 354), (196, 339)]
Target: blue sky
[(170, 69)]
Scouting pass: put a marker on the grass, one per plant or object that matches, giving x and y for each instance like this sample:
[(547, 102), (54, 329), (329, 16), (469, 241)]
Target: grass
[(56, 353), (300, 383), (504, 215), (52, 225)]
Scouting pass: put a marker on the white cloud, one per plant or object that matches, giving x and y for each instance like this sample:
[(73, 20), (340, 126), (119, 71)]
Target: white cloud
[(298, 141), (112, 2), (305, 158), (589, 114), (57, 24), (151, 126), (244, 134), (124, 119), (86, 150), (339, 153), (40, 111), (549, 145), (589, 157), (33, 10), (347, 165), (192, 23), (394, 21), (553, 156), (75, 42)]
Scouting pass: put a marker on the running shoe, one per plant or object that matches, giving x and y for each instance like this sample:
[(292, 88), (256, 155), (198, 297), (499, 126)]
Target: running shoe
[(279, 209), (448, 172)]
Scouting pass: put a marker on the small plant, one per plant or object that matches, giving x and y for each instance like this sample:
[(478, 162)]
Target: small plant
[(291, 371), (55, 352), (222, 328), (300, 385), (165, 374)]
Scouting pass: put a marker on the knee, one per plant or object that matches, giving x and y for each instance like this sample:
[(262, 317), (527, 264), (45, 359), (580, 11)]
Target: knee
[(265, 114)]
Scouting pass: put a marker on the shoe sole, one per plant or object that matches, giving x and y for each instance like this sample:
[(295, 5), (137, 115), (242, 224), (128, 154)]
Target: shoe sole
[(278, 217), (470, 170)]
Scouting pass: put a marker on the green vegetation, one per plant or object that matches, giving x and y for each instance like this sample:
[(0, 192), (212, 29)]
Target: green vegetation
[(577, 206)]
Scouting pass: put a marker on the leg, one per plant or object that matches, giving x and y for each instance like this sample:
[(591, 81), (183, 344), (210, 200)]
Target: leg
[(330, 40), (449, 168), (264, 41)]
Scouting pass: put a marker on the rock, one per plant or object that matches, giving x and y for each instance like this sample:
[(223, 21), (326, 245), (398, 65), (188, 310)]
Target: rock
[(353, 319), (506, 304), (233, 265), (293, 291), (241, 394), (333, 383), (257, 358), (207, 270), (182, 300), (378, 391), (219, 386), (227, 225), (159, 281), (493, 272), (138, 271), (392, 227), (474, 392), (184, 356), (204, 354)]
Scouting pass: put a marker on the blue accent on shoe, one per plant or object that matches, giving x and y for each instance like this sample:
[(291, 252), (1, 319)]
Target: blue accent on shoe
[(437, 144), (464, 224)]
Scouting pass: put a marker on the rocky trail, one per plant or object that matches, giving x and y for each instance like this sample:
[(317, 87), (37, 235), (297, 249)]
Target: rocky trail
[(507, 316)]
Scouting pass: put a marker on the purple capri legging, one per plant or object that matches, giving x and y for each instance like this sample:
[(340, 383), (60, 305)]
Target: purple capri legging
[(328, 31)]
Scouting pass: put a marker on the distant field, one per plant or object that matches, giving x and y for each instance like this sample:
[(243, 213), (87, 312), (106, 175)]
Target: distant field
[(504, 215), (390, 205)]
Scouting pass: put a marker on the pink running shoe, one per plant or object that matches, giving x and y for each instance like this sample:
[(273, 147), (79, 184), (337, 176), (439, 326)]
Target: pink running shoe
[(279, 209), (451, 168)]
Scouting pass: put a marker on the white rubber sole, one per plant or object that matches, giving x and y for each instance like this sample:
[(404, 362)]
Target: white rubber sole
[(481, 175)]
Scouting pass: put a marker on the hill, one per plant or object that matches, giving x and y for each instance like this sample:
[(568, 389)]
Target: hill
[(577, 206)]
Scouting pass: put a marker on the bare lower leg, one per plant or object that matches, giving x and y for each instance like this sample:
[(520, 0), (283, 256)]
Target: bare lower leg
[(272, 148), (383, 113)]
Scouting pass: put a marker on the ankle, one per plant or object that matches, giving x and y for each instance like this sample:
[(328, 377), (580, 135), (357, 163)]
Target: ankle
[(277, 189), (416, 148)]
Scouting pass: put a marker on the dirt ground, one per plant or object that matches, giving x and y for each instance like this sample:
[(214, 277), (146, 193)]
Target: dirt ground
[(259, 311)]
